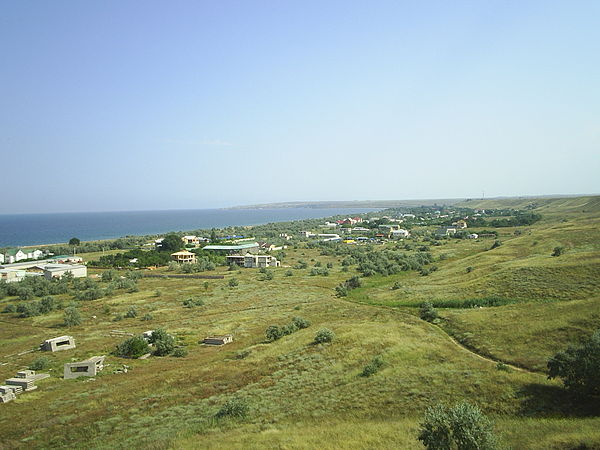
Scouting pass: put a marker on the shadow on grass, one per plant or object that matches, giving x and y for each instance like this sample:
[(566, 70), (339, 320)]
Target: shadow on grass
[(546, 401)]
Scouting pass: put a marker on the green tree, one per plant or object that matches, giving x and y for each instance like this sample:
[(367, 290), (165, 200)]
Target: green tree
[(558, 251), (273, 333), (579, 366), (463, 427), (74, 242), (72, 316), (428, 312), (171, 243)]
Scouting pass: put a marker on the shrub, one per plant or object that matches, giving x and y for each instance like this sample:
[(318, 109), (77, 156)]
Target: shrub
[(233, 282), (579, 366), (133, 347), (396, 286), (324, 335), (71, 316), (179, 352), (373, 367), (428, 312), (273, 333), (301, 322), (236, 408), (147, 317), (496, 244), (192, 302), (464, 427), (469, 269), (40, 363), (10, 308), (558, 251), (131, 313), (289, 273), (341, 290), (157, 293)]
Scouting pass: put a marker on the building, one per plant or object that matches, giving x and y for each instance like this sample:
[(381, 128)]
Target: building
[(307, 234), (12, 275), (399, 234), (184, 256), (218, 340), (26, 380), (251, 247), (57, 344), (193, 240), (236, 259), (266, 247), (445, 231), (14, 255), (329, 237), (65, 259), (88, 368), (1, 258), (58, 270), (260, 261), (460, 224), (285, 236)]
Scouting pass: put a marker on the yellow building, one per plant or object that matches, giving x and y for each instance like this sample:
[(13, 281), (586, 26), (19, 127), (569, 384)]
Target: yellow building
[(184, 257)]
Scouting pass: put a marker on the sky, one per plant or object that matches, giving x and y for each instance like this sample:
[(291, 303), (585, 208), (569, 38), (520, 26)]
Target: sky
[(145, 105)]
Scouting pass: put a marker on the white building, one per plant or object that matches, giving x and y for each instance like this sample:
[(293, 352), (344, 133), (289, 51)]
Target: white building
[(260, 261), (11, 275), (399, 234), (58, 270)]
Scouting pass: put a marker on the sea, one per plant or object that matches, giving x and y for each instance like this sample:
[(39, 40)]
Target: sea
[(36, 229)]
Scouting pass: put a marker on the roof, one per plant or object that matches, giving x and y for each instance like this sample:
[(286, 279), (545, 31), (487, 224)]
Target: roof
[(183, 253), (230, 247), (13, 251), (58, 267)]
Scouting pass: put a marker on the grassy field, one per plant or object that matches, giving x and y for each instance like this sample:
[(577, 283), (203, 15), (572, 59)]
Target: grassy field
[(303, 395)]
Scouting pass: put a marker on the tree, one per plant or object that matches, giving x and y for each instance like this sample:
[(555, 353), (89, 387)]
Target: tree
[(213, 235), (74, 242), (72, 316), (579, 366), (558, 251), (463, 427), (171, 243)]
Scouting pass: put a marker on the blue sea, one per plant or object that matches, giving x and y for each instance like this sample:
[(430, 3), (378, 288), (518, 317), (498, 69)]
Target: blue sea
[(36, 229)]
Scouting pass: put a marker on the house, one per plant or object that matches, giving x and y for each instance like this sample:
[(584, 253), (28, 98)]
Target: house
[(58, 270), (329, 237), (399, 234), (460, 224), (184, 256), (361, 230), (57, 344), (14, 255), (11, 275), (218, 340), (236, 259), (251, 247), (1, 258), (88, 368), (331, 224), (260, 261), (445, 231), (33, 253), (191, 240), (285, 236), (307, 234)]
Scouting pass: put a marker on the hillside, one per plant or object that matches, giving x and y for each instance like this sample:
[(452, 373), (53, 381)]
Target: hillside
[(306, 395)]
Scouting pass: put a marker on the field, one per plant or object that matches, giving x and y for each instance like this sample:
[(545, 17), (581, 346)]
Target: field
[(306, 395)]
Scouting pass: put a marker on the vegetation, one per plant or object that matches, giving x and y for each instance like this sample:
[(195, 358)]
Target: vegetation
[(133, 347), (324, 335), (463, 426), (579, 366)]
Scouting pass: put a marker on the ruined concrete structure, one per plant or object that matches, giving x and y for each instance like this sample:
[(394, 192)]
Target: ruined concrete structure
[(26, 380), (58, 344), (88, 368), (7, 394), (218, 340)]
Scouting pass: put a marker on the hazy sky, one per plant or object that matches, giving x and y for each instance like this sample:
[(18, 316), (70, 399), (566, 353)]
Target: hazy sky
[(116, 105)]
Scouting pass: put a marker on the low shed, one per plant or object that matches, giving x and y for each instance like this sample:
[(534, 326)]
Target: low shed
[(218, 340)]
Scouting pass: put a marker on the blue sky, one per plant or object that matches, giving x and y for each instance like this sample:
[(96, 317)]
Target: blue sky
[(132, 105)]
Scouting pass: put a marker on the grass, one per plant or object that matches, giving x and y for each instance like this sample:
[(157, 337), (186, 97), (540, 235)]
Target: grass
[(303, 395)]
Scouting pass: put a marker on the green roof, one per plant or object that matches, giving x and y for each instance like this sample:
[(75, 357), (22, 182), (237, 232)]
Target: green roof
[(230, 247), (12, 251)]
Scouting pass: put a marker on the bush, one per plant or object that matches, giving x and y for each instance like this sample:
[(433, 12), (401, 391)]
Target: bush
[(163, 342), (428, 312), (469, 269), (192, 302), (373, 367), (131, 313), (133, 347), (579, 366), (179, 352), (40, 363), (289, 273), (496, 244), (146, 317), (273, 333), (233, 282), (463, 427), (396, 286), (324, 335), (300, 322), (236, 408), (558, 251), (72, 316)]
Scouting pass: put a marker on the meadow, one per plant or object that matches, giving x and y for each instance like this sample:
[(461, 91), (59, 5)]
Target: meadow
[(514, 304)]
